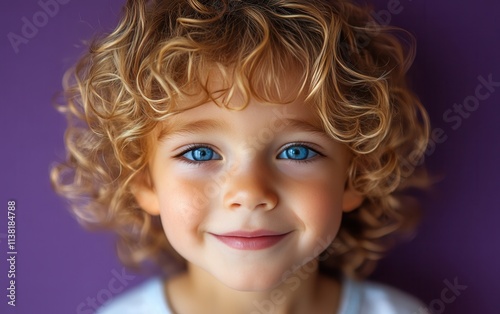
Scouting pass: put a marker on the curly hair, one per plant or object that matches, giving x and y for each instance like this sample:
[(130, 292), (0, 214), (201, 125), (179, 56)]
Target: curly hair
[(352, 71)]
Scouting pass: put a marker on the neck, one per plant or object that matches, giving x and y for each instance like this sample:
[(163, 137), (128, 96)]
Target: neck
[(303, 291)]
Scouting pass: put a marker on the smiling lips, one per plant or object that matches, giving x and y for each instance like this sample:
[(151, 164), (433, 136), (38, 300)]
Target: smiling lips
[(255, 240)]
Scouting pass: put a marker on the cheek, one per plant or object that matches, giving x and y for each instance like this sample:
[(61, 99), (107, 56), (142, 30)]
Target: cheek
[(183, 208), (319, 207)]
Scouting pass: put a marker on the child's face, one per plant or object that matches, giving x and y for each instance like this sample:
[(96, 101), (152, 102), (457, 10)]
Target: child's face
[(261, 173)]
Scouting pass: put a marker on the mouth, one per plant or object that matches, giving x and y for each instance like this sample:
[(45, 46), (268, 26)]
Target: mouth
[(251, 240)]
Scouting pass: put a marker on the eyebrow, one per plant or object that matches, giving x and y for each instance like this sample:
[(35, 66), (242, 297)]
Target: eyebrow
[(194, 127), (305, 126), (202, 126)]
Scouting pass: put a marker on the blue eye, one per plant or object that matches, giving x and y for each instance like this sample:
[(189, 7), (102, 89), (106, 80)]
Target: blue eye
[(297, 152), (201, 153)]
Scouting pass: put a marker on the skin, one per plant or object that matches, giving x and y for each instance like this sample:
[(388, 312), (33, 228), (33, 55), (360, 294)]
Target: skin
[(250, 181)]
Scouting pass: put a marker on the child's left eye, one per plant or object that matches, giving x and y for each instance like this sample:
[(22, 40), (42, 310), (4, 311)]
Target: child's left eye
[(297, 152)]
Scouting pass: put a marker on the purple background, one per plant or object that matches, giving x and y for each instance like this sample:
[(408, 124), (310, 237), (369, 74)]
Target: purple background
[(60, 265)]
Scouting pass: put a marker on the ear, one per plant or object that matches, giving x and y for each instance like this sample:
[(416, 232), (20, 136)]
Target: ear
[(351, 199), (145, 195)]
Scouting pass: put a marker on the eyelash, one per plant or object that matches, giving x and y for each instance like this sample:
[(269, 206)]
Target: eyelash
[(193, 147)]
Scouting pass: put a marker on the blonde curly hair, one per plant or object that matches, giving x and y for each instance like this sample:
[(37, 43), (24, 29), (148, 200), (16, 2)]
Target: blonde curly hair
[(351, 69)]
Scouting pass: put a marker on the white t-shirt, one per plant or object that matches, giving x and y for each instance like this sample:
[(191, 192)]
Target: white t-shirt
[(357, 297)]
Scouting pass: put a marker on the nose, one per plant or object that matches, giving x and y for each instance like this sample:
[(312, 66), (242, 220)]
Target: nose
[(250, 187)]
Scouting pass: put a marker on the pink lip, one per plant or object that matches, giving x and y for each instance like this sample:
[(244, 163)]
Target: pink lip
[(250, 240)]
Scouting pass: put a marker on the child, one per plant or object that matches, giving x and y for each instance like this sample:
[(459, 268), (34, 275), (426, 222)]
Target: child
[(259, 142)]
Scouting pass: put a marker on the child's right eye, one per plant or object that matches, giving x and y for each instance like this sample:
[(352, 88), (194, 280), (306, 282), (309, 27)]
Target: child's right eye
[(200, 153)]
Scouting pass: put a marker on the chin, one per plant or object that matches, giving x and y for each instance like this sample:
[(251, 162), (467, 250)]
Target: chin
[(255, 282)]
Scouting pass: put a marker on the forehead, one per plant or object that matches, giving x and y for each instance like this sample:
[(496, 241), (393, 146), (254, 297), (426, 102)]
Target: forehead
[(254, 117)]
